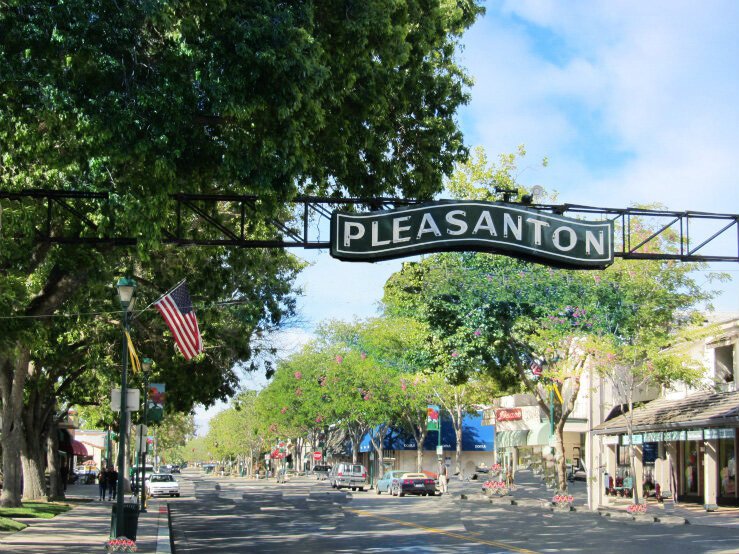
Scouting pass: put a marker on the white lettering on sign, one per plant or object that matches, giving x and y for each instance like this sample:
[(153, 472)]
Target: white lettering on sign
[(485, 222), (376, 241), (428, 225), (572, 240), (590, 241), (461, 224), (397, 229), (349, 236), (538, 224), (509, 225)]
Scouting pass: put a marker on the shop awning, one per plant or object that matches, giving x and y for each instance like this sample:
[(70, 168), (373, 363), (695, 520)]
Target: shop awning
[(699, 410), (539, 435), (505, 439), (77, 448)]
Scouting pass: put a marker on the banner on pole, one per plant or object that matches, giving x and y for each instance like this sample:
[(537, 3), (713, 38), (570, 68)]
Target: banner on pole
[(432, 419), (155, 398)]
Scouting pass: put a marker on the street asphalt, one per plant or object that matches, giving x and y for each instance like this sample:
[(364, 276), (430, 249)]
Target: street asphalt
[(307, 516)]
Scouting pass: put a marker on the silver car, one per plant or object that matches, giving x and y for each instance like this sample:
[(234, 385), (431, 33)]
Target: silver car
[(348, 475)]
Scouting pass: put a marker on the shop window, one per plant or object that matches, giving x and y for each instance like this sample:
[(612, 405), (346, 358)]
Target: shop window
[(690, 468), (727, 465), (724, 364)]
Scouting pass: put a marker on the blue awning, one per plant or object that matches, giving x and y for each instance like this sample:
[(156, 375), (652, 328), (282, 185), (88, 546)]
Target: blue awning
[(475, 437)]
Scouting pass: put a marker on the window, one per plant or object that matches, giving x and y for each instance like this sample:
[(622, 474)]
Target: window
[(727, 468), (724, 363)]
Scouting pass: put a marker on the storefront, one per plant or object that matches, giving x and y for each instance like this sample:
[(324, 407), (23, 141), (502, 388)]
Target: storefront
[(686, 447), (401, 447)]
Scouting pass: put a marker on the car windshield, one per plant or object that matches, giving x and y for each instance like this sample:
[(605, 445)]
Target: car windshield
[(161, 478)]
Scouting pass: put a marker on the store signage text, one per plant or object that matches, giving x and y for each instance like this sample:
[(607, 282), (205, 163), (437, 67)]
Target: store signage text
[(494, 227), (508, 414)]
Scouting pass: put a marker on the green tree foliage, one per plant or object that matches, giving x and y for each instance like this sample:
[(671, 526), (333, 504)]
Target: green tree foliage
[(494, 315), (142, 100)]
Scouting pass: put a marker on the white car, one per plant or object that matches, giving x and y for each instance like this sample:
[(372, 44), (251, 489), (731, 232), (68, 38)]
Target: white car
[(162, 484)]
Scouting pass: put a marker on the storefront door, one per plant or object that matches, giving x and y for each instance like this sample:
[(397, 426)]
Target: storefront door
[(691, 469)]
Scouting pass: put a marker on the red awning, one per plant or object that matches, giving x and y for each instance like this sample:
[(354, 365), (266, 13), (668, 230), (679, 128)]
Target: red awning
[(79, 449)]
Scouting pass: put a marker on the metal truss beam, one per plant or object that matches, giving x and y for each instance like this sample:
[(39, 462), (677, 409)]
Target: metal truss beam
[(69, 217)]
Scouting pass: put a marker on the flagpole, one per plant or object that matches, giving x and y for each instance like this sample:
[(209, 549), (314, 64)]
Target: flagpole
[(150, 304)]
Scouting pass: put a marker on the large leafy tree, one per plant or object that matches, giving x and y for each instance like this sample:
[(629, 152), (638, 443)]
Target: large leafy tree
[(501, 316), (146, 99)]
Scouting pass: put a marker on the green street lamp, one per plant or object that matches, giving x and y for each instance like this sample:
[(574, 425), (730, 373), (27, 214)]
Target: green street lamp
[(144, 445), (126, 290)]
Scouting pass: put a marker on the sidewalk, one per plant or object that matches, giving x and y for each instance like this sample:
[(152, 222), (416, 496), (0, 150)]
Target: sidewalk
[(86, 527), (531, 487)]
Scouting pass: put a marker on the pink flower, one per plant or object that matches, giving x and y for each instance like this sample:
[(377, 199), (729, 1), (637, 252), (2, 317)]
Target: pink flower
[(364, 355), (298, 392), (597, 279), (339, 359), (455, 354), (478, 332), (283, 410), (298, 375), (319, 419), (403, 384)]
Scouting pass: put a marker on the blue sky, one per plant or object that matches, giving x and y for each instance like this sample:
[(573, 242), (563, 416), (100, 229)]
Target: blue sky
[(631, 102)]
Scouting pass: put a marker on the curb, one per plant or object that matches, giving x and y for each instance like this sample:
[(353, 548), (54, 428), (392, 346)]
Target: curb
[(164, 544)]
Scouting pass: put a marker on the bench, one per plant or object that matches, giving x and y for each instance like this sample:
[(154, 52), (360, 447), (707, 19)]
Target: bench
[(625, 488)]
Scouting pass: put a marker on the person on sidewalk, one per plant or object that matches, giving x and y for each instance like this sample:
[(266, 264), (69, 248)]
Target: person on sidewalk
[(443, 478), (112, 483), (102, 483)]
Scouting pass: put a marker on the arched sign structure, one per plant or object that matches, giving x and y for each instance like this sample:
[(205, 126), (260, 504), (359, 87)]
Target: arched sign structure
[(514, 230), (565, 235)]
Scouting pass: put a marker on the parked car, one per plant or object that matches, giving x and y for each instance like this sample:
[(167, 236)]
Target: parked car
[(400, 483), (175, 469), (347, 475), (162, 484), (321, 471)]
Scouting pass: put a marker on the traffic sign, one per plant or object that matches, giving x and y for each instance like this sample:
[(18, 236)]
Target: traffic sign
[(317, 456)]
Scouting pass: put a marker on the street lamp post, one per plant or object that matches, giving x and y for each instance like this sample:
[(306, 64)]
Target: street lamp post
[(146, 367), (126, 288)]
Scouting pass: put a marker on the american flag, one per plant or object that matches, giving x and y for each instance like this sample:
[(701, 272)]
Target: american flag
[(176, 309)]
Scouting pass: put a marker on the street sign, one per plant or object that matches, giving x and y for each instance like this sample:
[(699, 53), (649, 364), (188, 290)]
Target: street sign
[(317, 456), (495, 227), (133, 397), (141, 438)]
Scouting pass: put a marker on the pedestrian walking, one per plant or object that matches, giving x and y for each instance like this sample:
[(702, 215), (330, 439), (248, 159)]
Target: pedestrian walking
[(443, 478), (102, 483), (112, 483)]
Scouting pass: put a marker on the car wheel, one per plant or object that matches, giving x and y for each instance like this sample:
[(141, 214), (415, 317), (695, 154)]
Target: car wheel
[(354, 488), (400, 492), (432, 494), (361, 489), (377, 490)]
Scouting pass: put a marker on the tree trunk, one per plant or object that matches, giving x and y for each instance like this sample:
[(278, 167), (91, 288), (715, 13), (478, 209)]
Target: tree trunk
[(458, 433), (36, 418), (34, 486), (559, 460), (12, 381), (56, 485)]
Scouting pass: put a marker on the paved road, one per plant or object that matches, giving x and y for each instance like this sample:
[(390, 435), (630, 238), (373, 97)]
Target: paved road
[(305, 516)]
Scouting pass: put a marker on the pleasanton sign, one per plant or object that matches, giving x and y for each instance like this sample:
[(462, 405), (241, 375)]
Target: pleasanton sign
[(513, 230)]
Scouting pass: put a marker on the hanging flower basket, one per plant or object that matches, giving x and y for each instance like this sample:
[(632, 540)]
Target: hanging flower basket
[(563, 501), (495, 488), (121, 544)]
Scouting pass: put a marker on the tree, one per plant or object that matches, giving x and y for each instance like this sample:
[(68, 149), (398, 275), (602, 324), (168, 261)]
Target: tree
[(141, 101), (503, 317)]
